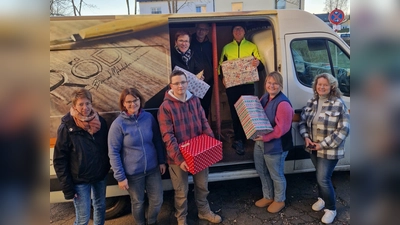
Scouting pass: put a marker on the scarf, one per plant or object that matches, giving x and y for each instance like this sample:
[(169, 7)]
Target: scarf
[(185, 56), (90, 123)]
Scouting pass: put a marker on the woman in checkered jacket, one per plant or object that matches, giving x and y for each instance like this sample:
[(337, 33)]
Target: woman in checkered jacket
[(324, 126)]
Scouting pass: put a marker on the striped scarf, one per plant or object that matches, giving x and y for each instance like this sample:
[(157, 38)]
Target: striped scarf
[(185, 56)]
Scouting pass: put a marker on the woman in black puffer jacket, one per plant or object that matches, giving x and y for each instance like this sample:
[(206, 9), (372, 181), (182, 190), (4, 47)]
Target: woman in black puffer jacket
[(81, 158)]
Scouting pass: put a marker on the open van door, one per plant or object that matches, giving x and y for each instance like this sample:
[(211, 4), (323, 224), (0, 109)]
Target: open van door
[(308, 55)]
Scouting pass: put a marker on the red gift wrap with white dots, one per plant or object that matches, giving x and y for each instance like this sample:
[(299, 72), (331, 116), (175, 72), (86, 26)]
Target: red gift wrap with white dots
[(201, 152)]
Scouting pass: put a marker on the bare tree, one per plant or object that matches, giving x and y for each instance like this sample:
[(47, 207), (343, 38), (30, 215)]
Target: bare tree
[(59, 8), (68, 7), (336, 4), (127, 5)]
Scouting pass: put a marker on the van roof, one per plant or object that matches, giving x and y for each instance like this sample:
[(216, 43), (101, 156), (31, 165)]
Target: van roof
[(289, 20)]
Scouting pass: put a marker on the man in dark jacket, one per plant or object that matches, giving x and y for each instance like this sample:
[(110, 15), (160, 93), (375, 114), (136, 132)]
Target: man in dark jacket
[(202, 46)]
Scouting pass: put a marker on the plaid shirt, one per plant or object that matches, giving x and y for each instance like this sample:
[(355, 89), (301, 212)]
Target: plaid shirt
[(180, 121), (332, 129)]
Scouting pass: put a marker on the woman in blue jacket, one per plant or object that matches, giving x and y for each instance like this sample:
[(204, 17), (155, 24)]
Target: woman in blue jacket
[(137, 156)]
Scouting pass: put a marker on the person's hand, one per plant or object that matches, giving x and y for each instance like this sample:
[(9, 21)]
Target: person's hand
[(200, 75), (162, 168), (318, 146), (255, 62), (308, 142), (76, 196), (258, 138), (184, 166), (123, 185)]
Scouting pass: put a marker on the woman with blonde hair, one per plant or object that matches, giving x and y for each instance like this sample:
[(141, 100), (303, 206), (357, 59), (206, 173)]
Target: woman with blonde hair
[(324, 126), (270, 150)]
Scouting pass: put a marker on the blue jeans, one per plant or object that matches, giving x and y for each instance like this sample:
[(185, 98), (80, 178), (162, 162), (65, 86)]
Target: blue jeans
[(324, 169), (179, 179), (85, 192), (151, 184), (270, 168)]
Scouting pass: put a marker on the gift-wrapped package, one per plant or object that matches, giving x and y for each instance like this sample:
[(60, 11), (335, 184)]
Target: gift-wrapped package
[(252, 116), (239, 71), (201, 152), (198, 87)]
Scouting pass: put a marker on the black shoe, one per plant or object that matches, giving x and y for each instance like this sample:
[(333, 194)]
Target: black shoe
[(239, 147)]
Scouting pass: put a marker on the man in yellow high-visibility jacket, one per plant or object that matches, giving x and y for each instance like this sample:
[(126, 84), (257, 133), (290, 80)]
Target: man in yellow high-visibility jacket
[(239, 48)]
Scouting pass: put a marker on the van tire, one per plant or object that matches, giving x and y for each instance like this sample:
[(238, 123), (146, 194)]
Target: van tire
[(115, 206)]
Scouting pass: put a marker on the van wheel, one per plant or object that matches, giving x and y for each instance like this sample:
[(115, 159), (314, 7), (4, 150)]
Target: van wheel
[(116, 206)]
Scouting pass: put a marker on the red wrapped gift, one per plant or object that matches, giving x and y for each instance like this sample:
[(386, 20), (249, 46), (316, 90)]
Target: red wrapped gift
[(201, 152)]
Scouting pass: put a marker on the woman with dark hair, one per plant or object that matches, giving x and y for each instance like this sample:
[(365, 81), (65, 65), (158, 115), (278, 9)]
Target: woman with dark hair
[(183, 56), (80, 158), (137, 156), (324, 125)]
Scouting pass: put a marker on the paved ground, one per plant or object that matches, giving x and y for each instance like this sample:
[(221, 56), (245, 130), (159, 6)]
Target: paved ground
[(234, 201)]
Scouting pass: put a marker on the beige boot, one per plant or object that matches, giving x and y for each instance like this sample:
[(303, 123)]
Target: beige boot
[(263, 202), (276, 207), (211, 217)]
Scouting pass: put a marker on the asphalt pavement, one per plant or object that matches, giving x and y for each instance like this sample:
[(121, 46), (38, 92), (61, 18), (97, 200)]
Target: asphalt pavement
[(234, 201)]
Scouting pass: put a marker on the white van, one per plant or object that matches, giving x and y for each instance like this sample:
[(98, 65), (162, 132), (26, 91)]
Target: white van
[(108, 53)]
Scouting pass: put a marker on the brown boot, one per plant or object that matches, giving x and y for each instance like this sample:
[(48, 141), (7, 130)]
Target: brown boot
[(263, 202), (276, 207)]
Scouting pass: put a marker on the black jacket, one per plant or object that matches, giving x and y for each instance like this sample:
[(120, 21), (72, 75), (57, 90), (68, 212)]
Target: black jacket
[(203, 50), (194, 66), (80, 157)]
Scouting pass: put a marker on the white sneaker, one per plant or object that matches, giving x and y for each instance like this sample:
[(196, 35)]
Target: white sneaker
[(318, 205), (329, 216)]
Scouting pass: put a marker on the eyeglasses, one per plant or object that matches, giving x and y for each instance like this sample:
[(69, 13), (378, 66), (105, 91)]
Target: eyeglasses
[(272, 84), (180, 83), (202, 29), (183, 41), (134, 101)]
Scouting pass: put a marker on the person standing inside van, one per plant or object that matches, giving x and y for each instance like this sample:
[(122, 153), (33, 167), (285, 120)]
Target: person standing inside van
[(183, 56), (239, 48), (202, 47), (270, 150), (324, 125), (137, 156), (181, 118), (80, 158)]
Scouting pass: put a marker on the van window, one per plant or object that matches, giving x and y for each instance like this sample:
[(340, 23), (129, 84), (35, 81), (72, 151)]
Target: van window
[(314, 56)]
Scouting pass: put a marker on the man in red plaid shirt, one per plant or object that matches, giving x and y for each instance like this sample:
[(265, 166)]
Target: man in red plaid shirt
[(181, 118)]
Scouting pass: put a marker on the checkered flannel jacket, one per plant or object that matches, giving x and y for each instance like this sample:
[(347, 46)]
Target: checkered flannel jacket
[(332, 129)]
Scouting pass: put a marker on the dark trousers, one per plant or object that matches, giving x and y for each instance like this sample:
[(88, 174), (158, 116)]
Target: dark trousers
[(233, 94), (206, 101)]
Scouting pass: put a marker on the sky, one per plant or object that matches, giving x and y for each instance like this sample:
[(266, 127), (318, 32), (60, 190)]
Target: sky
[(118, 7)]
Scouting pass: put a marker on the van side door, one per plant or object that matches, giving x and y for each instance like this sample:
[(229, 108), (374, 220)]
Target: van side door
[(308, 55)]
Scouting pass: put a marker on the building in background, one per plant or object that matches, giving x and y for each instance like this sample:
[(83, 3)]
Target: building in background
[(162, 7), (251, 5), (199, 6)]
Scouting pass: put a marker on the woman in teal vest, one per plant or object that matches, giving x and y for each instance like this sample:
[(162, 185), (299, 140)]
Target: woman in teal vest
[(270, 150)]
